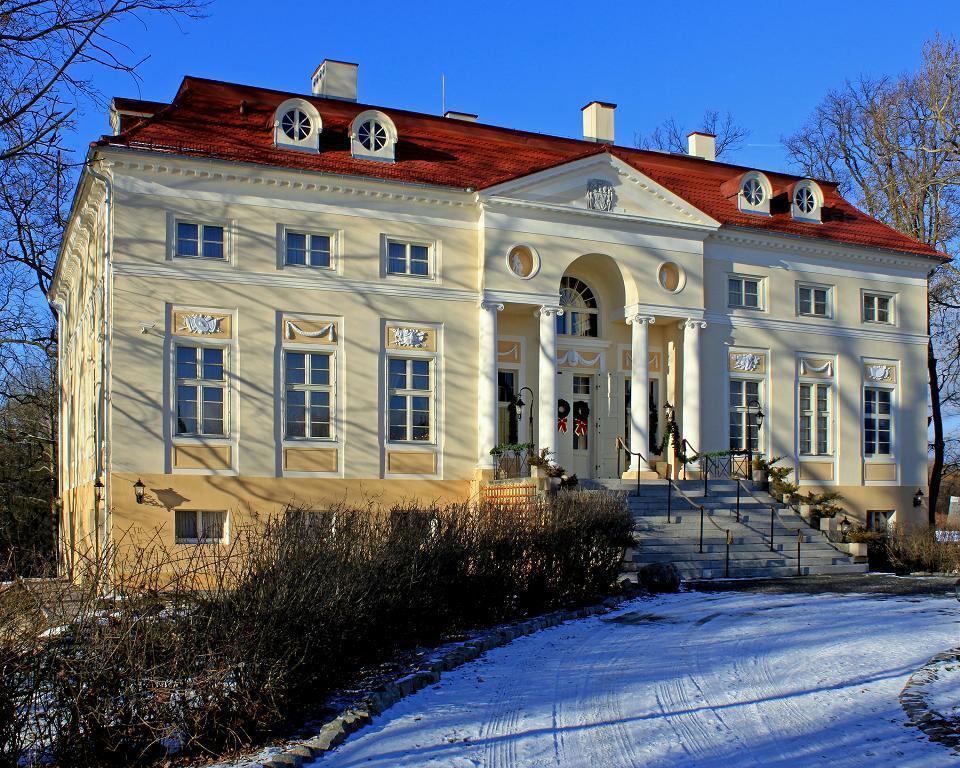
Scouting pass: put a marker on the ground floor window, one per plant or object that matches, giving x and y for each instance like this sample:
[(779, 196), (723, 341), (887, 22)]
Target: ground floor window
[(507, 426), (746, 400), (410, 392), (814, 419), (877, 421), (200, 526), (879, 519)]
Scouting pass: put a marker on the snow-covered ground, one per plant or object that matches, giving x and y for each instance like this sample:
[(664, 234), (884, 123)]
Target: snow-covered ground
[(722, 679)]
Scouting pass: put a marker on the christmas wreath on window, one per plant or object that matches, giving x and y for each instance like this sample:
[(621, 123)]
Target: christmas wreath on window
[(563, 411)]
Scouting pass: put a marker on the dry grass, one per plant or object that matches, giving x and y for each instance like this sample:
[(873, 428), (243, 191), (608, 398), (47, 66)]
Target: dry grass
[(220, 647)]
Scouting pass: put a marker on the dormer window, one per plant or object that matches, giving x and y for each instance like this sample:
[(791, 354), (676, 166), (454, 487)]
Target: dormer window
[(806, 201), (755, 193), (373, 136), (297, 125)]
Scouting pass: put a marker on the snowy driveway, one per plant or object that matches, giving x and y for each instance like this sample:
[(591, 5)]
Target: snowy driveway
[(694, 679)]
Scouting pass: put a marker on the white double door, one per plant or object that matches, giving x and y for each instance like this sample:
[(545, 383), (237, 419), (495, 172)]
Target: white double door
[(593, 409)]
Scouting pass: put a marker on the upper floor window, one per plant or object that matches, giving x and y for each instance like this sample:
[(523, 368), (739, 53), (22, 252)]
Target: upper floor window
[(200, 390), (373, 136), (744, 292), (200, 240), (410, 393), (877, 421), (814, 300), (581, 315), (406, 258), (877, 308), (308, 392), (297, 125), (309, 249)]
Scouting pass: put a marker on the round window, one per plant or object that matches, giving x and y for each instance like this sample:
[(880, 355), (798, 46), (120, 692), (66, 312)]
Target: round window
[(372, 136), (523, 261), (805, 200), (671, 277), (753, 191), (295, 125)]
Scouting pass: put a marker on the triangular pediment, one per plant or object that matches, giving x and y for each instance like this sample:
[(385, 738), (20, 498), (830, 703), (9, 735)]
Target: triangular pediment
[(601, 185)]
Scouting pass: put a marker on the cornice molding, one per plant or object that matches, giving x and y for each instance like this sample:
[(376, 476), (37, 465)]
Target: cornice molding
[(520, 297), (272, 177), (209, 274), (664, 310), (791, 326), (798, 244)]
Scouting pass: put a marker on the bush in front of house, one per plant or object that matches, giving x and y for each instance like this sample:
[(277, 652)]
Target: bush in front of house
[(217, 647)]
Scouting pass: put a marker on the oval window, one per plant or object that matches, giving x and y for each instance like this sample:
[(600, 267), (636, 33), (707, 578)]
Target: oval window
[(295, 125), (753, 191)]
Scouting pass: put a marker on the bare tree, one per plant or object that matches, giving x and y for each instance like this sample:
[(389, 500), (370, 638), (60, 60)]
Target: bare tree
[(893, 145), (49, 50), (669, 136)]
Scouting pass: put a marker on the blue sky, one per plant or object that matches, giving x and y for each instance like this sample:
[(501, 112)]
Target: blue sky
[(533, 65)]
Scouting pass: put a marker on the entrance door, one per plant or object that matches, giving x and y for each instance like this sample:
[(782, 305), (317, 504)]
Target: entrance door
[(576, 422)]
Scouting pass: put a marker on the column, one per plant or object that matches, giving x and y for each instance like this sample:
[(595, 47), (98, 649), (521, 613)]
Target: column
[(487, 384), (547, 395), (639, 390), (690, 413)]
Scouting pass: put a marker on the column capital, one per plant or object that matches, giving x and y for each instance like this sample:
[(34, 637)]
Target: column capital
[(693, 324), (640, 319), (496, 306), (545, 310)]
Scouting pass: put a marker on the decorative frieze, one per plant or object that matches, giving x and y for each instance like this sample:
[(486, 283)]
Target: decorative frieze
[(878, 372), (600, 195), (410, 337), (310, 331), (574, 358), (508, 351), (206, 324), (747, 362), (654, 360), (816, 367)]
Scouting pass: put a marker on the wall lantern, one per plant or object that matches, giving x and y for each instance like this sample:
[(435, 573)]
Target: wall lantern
[(918, 498), (138, 489)]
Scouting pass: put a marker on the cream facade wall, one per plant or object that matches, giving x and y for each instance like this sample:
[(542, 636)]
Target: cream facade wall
[(476, 316)]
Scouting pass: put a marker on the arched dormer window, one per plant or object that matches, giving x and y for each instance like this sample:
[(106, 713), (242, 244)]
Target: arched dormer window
[(373, 136), (806, 201), (297, 125), (581, 315), (755, 193)]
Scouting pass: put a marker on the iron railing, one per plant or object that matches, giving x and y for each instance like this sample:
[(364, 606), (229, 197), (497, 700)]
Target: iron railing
[(622, 446), (510, 464)]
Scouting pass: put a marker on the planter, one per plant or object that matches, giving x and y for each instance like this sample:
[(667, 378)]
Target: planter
[(828, 524), (858, 549), (806, 511), (786, 498)]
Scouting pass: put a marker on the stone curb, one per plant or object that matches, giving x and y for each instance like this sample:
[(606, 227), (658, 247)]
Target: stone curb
[(334, 732), (914, 703)]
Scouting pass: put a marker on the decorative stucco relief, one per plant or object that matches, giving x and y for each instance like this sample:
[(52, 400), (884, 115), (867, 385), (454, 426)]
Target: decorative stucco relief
[(878, 372), (292, 331), (816, 368), (574, 357), (746, 362), (200, 324), (409, 337), (600, 195)]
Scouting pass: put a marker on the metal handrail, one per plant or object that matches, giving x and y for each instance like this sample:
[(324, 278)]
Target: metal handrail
[(684, 444), (729, 539), (622, 446), (773, 508)]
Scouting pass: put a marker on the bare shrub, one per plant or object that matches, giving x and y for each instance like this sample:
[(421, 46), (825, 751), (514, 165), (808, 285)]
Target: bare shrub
[(215, 647), (912, 548)]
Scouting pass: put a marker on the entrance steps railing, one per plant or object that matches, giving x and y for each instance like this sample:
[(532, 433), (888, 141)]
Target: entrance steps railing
[(763, 543)]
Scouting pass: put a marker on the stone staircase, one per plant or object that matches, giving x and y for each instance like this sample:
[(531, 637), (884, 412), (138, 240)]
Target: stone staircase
[(678, 541)]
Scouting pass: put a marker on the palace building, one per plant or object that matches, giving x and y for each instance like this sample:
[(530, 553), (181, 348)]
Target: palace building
[(268, 297)]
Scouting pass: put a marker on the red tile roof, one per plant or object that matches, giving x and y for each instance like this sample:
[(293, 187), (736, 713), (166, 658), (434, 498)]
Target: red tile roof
[(226, 121)]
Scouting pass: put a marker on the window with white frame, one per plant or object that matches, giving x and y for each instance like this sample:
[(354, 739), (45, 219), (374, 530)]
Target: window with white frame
[(507, 422), (814, 300), (746, 400), (201, 387), (880, 519), (198, 240), (744, 292), (877, 308), (877, 421), (200, 526), (408, 258), (815, 424), (309, 388), (410, 393), (308, 249), (581, 313)]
